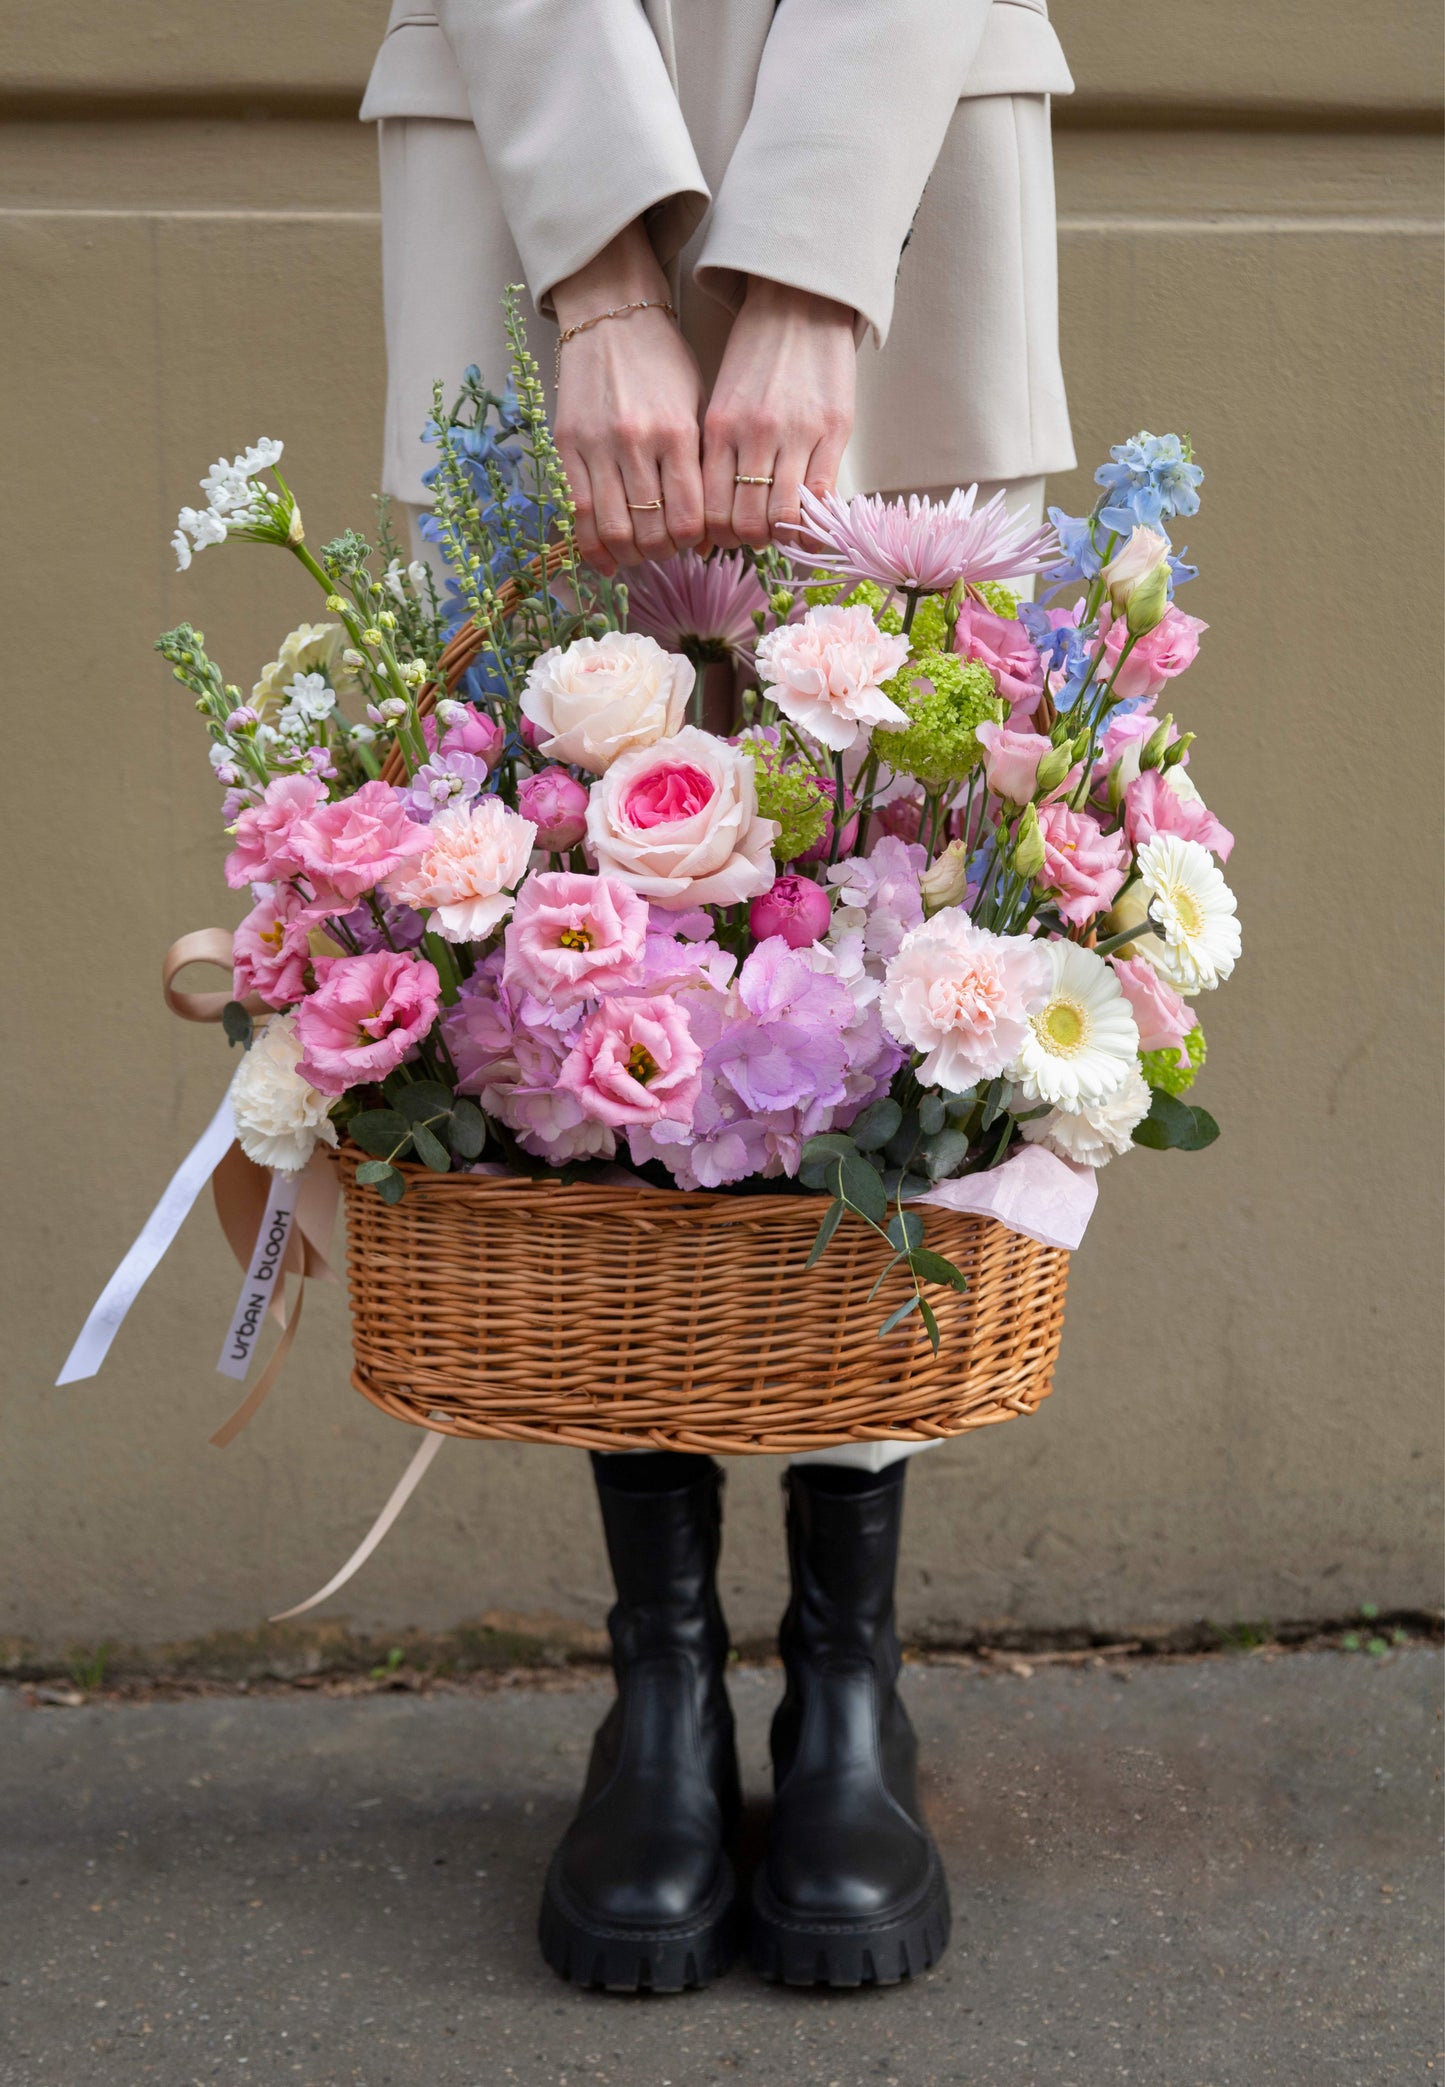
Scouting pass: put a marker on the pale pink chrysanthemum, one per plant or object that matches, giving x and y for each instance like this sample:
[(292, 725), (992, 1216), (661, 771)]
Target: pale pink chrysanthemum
[(924, 546), (702, 607)]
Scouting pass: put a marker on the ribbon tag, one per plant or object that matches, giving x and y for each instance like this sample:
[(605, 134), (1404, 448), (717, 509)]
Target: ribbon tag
[(265, 1276)]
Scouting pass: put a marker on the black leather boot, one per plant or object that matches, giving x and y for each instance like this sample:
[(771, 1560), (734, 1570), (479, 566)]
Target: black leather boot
[(641, 1895), (852, 1892)]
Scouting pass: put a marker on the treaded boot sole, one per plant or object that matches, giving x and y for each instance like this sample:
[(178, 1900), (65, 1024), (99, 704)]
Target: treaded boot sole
[(636, 1960), (794, 1952)]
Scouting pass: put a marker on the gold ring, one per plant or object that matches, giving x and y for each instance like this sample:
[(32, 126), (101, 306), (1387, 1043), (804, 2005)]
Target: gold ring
[(642, 507), (742, 478)]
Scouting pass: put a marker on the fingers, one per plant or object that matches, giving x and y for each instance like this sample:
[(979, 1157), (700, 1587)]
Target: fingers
[(579, 478), (753, 485), (719, 466), (826, 460), (789, 474), (614, 518), (682, 495)]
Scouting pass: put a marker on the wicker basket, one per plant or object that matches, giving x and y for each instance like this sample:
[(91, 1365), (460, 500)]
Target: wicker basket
[(637, 1318)]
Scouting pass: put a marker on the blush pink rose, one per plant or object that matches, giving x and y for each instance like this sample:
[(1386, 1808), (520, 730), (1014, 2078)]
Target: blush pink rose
[(271, 949), (963, 997), (346, 848), (1007, 650), (1011, 760), (1156, 658), (573, 938), (1162, 1018), (635, 1062), (1085, 866), (475, 733), (602, 697), (680, 823), (264, 849), (827, 673), (1163, 800), (795, 908), (556, 804), (366, 1014)]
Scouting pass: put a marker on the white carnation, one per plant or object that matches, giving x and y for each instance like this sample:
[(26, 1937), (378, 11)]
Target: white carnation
[(279, 1116), (1099, 1132)]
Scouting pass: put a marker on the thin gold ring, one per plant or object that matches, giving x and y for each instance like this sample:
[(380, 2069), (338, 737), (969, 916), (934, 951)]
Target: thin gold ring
[(642, 507), (743, 478)]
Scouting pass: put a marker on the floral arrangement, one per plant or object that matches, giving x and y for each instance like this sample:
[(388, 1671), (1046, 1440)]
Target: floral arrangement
[(947, 889)]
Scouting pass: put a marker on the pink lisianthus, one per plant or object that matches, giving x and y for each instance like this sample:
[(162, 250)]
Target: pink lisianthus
[(1011, 760), (556, 804), (826, 674), (1163, 800), (472, 857), (1162, 1018), (511, 1065), (572, 938), (1008, 652), (963, 997), (271, 949), (1083, 865), (795, 908), (1154, 659), (680, 823), (366, 1014), (265, 832), (634, 1061), (348, 847)]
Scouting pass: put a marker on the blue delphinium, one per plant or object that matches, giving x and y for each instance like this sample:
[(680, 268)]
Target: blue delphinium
[(1150, 477), (1082, 559)]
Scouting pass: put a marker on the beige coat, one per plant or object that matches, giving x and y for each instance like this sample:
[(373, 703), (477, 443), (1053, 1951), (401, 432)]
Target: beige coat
[(891, 154)]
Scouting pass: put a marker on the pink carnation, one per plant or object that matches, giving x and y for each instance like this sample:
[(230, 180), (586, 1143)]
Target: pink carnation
[(471, 858), (1162, 1018), (365, 1016), (1163, 800), (1085, 866), (1008, 652), (963, 997), (271, 949), (1156, 658), (634, 1062), (826, 673), (346, 848), (264, 849), (572, 938)]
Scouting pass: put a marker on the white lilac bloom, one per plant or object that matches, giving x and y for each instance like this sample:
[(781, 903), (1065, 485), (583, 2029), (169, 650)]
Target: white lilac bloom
[(1194, 909), (279, 1115), (1083, 1042), (1098, 1132)]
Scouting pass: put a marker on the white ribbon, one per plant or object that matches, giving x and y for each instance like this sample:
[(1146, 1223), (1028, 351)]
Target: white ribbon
[(405, 1486), (265, 1274), (159, 1229)]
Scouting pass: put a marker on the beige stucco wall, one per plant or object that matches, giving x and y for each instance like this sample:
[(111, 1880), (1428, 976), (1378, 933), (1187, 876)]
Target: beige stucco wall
[(1247, 1415)]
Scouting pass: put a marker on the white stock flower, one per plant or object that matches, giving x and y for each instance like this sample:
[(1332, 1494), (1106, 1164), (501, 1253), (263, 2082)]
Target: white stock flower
[(1194, 908), (603, 697), (233, 501), (279, 1116), (1082, 1043), (1098, 1132), (308, 702)]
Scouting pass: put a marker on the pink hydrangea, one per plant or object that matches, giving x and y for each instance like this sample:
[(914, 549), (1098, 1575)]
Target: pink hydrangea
[(511, 1064), (366, 1015), (573, 938), (1008, 652), (1156, 658), (963, 997), (271, 949), (264, 849), (346, 848), (1163, 800), (827, 673), (878, 894), (634, 1061), (1083, 865), (1163, 1019)]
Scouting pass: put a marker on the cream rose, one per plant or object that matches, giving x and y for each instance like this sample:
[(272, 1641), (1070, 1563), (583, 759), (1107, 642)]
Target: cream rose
[(603, 697), (680, 823)]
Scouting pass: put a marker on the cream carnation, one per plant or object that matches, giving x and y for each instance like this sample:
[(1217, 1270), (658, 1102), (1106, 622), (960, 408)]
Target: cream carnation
[(602, 697), (279, 1115), (964, 997), (1195, 910), (474, 854), (1082, 1043), (1098, 1132), (826, 673), (680, 823)]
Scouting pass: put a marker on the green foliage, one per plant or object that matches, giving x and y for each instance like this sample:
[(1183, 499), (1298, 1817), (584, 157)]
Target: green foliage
[(789, 794), (423, 1120), (1173, 1126), (1002, 600), (861, 1186), (237, 1024)]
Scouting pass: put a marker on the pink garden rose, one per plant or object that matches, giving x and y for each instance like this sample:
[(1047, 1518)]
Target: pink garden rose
[(1011, 760), (346, 848), (264, 848), (795, 908), (473, 733), (679, 823), (1156, 658), (1163, 800), (473, 855), (634, 1062), (271, 949), (1008, 652), (556, 804), (1163, 1019), (366, 1014), (573, 938), (963, 997), (1085, 866), (826, 674), (602, 697)]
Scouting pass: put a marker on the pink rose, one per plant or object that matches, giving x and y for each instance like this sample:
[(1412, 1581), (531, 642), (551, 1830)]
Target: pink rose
[(556, 804), (271, 949), (680, 823), (572, 938), (366, 1014), (1156, 658), (472, 857), (1162, 1017), (795, 908), (1083, 865), (264, 831), (346, 848), (475, 733), (826, 674), (1008, 652), (1011, 760), (963, 997), (1163, 800), (634, 1062)]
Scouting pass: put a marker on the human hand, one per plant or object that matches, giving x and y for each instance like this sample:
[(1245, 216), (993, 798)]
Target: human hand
[(781, 410), (629, 398)]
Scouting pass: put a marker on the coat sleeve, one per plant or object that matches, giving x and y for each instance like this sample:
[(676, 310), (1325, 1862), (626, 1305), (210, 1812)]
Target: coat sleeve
[(579, 126), (853, 101)]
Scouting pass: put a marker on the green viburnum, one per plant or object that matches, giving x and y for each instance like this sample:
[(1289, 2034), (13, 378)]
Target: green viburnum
[(946, 699), (1168, 1070), (789, 795), (1002, 600)]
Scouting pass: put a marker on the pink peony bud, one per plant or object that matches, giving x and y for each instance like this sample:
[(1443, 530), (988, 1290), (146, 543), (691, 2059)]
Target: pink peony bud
[(795, 908), (556, 804), (529, 735)]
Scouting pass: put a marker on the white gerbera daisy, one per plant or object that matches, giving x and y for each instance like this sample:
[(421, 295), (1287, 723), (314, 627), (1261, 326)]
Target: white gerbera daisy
[(1194, 909), (1082, 1044), (1098, 1133)]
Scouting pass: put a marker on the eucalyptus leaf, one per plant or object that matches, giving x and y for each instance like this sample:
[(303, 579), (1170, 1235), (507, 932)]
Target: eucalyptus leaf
[(872, 1127), (863, 1188), (373, 1170), (1206, 1130), (934, 1268), (905, 1229), (831, 1220), (237, 1024), (945, 1153), (422, 1100), (926, 1311), (467, 1130), (831, 1145), (818, 1175), (883, 1274), (430, 1149), (382, 1131), (932, 1114), (899, 1185), (896, 1318), (904, 1143), (393, 1188), (995, 1102)]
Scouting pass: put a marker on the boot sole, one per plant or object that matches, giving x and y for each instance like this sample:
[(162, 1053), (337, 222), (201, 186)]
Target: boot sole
[(792, 1952), (674, 1959)]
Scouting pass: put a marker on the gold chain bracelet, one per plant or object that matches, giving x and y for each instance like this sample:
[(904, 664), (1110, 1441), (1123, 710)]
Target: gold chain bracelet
[(618, 311)]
